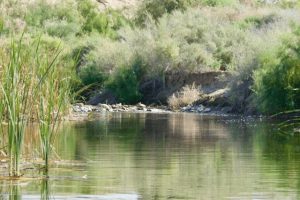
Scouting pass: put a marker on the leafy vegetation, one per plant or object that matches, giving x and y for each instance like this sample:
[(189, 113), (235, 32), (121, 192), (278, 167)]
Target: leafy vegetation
[(193, 35), (277, 82)]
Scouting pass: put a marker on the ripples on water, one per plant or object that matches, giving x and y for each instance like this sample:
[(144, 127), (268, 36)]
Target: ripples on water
[(169, 156)]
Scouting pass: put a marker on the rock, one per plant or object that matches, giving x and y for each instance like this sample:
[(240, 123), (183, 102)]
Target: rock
[(86, 109), (133, 108), (141, 106), (206, 110), (83, 108), (79, 104), (116, 106), (200, 108), (76, 108), (106, 107)]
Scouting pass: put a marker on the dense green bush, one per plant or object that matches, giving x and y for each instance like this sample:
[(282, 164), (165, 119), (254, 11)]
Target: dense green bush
[(106, 22), (157, 8), (125, 85), (91, 75), (277, 83), (42, 11)]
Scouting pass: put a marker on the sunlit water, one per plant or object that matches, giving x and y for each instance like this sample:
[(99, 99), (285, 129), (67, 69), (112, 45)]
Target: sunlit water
[(168, 156)]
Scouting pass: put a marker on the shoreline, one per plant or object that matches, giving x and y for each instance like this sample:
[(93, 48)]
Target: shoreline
[(80, 111)]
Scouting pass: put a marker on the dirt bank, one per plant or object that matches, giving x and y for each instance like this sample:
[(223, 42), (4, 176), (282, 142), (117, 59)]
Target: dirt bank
[(213, 86), (158, 91)]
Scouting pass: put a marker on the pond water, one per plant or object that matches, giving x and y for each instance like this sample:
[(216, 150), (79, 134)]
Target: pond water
[(168, 156)]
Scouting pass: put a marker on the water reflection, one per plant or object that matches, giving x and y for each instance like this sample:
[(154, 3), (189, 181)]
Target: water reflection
[(172, 156), (14, 193)]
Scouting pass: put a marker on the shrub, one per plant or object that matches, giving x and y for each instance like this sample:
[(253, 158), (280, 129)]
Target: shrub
[(125, 85), (277, 83), (91, 75), (61, 28), (103, 55), (259, 21), (105, 23), (186, 96), (41, 11), (156, 8)]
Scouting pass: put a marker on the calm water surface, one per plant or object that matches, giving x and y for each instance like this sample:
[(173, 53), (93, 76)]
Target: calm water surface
[(168, 156)]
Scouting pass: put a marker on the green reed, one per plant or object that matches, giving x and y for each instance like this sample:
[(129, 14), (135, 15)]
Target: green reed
[(33, 88), (52, 103), (15, 87)]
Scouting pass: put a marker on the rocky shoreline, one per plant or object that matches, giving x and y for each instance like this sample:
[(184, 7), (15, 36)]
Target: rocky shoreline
[(81, 110)]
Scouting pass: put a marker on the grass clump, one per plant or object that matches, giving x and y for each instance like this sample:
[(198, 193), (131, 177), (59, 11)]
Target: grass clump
[(186, 96)]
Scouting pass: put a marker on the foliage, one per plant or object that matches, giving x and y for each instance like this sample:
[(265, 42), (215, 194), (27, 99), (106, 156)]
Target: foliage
[(61, 28), (125, 85), (42, 11), (92, 75), (154, 9), (277, 83), (105, 23), (259, 21)]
